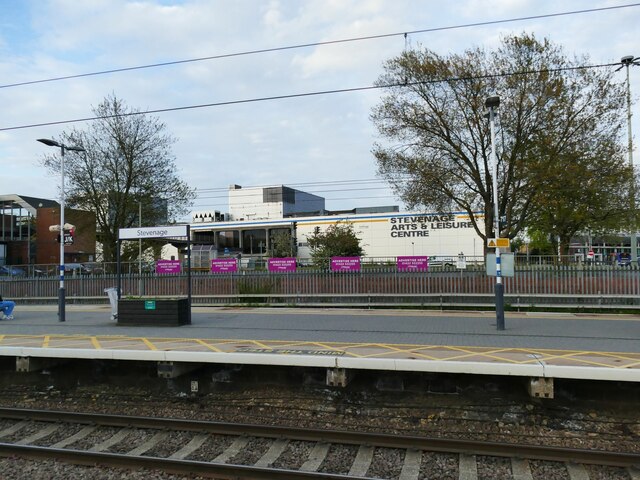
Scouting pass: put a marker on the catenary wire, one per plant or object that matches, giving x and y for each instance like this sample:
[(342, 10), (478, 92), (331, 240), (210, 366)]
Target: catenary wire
[(326, 199), (317, 44), (310, 94)]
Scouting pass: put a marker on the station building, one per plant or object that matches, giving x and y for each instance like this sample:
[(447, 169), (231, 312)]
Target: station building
[(25, 237), (257, 214)]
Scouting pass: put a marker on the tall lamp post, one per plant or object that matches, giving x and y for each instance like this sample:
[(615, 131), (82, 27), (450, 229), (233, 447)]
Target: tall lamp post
[(626, 62), (492, 103), (63, 147)]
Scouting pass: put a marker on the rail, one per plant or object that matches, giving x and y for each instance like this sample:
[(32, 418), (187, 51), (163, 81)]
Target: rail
[(72, 447)]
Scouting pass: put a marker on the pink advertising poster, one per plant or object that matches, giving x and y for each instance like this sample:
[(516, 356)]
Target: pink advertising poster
[(164, 267), (287, 264), (224, 265), (345, 264), (412, 264)]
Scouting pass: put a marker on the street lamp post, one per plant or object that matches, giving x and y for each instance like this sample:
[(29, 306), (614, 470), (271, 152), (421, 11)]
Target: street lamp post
[(63, 147), (626, 62), (492, 103)]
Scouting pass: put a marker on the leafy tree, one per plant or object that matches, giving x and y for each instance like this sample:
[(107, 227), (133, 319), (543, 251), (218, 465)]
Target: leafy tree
[(554, 117), (588, 195), (127, 165), (338, 240), (539, 243), (281, 244)]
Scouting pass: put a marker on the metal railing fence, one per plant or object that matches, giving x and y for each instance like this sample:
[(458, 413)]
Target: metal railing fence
[(531, 284)]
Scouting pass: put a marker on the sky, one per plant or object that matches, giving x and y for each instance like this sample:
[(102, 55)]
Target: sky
[(320, 143)]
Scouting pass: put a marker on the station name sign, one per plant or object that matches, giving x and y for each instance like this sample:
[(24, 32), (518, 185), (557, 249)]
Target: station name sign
[(152, 232)]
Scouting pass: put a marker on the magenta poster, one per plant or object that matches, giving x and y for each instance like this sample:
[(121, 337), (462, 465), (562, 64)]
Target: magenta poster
[(287, 264), (411, 264), (345, 264), (224, 265), (167, 266)]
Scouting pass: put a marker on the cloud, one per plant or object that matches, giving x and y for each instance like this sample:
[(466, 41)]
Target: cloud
[(286, 141)]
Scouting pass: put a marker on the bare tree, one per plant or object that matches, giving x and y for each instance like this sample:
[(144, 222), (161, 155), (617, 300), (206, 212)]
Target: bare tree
[(437, 149), (127, 165)]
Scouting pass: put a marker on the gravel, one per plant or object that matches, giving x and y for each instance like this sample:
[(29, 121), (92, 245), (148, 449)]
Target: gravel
[(492, 417)]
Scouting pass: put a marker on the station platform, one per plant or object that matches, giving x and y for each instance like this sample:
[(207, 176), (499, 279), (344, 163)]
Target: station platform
[(537, 345)]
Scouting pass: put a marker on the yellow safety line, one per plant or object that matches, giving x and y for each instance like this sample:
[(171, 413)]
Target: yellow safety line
[(591, 362), (546, 358), (327, 346), (545, 355), (301, 343), (211, 347), (474, 354), (410, 352), (616, 355), (148, 344)]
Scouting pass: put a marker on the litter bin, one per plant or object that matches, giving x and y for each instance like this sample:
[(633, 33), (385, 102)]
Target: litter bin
[(113, 300)]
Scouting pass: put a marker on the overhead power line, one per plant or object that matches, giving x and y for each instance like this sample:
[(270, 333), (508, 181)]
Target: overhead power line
[(225, 205), (317, 44), (259, 195), (308, 94), (326, 183)]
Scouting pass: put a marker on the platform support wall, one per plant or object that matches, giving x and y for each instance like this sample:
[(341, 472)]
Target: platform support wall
[(338, 377), (175, 369), (35, 364), (540, 387)]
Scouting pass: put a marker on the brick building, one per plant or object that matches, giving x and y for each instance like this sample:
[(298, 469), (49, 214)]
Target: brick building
[(25, 237)]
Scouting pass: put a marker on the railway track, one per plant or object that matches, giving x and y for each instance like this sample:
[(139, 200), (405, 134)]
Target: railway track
[(240, 451)]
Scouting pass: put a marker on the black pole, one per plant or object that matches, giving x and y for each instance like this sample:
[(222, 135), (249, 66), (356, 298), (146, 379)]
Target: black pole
[(189, 271), (500, 306), (118, 267)]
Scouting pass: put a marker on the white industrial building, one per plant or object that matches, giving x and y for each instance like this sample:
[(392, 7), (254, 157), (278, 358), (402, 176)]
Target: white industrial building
[(257, 213)]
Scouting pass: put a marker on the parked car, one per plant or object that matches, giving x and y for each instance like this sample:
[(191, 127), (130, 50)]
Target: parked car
[(624, 260), (10, 271), (93, 268), (75, 269)]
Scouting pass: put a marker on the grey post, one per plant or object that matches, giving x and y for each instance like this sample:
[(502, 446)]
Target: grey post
[(628, 61), (493, 103), (63, 147)]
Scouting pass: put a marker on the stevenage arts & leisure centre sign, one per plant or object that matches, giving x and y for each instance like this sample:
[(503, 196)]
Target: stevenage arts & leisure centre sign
[(421, 225)]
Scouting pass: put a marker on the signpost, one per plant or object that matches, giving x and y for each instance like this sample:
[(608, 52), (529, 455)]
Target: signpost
[(412, 264), (167, 266), (345, 264), (170, 231), (286, 264), (224, 265), (498, 243)]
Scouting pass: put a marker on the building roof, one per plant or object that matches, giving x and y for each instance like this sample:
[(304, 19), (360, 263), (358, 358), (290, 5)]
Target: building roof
[(31, 204)]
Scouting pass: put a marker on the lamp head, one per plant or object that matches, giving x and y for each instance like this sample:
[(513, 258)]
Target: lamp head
[(75, 149), (50, 143), (492, 102), (629, 60)]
